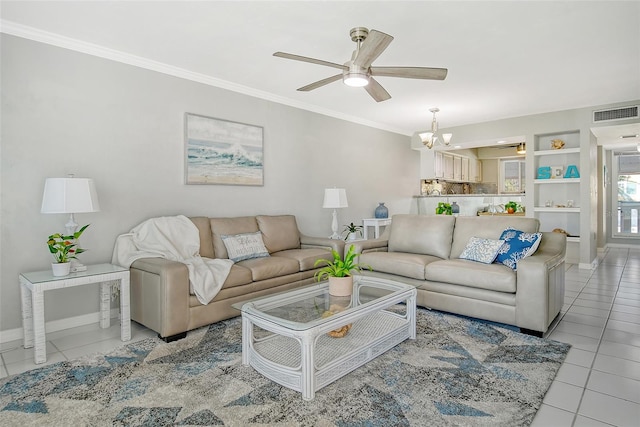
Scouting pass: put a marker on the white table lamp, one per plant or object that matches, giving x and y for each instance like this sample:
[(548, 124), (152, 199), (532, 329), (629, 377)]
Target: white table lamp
[(335, 198), (70, 196)]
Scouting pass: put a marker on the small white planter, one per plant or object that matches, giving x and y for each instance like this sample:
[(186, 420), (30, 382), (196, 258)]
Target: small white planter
[(61, 268), (341, 286)]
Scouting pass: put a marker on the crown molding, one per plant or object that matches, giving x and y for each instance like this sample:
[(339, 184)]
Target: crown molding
[(31, 33)]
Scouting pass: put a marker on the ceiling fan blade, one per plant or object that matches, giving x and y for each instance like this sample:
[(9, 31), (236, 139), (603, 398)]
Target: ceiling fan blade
[(376, 90), (311, 60), (320, 83), (411, 72), (375, 43)]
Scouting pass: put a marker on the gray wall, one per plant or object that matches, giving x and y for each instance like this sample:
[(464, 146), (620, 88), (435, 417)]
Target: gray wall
[(66, 112)]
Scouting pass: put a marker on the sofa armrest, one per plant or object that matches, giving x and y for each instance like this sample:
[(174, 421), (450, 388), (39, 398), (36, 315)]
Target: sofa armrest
[(540, 283), (370, 245), (160, 295), (321, 242)]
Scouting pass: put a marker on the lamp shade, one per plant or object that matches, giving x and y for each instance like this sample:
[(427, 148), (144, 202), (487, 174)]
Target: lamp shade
[(69, 195), (335, 198)]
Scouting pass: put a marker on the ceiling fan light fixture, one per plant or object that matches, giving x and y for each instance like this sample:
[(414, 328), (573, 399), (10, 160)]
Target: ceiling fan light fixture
[(355, 79), (521, 148)]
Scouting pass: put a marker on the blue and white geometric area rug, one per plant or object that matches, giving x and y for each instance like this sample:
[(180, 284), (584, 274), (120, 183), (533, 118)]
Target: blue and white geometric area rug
[(458, 372)]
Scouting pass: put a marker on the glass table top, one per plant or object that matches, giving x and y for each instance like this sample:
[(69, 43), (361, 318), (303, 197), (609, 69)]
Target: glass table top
[(305, 307), (92, 270)]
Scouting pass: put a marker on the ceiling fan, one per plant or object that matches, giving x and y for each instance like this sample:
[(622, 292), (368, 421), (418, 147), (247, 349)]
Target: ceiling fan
[(358, 70)]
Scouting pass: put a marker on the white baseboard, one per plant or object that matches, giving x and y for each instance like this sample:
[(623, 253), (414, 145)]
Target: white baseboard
[(620, 246), (58, 325)]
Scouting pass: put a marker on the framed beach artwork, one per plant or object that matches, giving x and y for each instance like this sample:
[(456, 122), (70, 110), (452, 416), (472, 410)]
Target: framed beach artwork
[(222, 152)]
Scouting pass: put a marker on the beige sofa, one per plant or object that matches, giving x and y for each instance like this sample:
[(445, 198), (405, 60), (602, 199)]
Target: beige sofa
[(424, 251), (160, 296)]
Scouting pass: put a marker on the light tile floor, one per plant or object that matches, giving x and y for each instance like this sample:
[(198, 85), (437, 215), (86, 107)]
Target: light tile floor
[(599, 382), (598, 385)]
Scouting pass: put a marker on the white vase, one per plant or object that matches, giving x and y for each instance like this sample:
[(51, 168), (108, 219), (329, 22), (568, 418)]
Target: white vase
[(341, 286), (61, 268)]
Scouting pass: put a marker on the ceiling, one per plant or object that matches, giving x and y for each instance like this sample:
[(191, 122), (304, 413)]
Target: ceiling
[(505, 59)]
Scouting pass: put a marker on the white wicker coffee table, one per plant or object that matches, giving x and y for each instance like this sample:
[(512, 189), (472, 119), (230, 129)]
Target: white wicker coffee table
[(284, 336)]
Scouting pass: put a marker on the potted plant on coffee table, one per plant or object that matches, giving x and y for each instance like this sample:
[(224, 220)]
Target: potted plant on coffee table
[(338, 272), (64, 248), (352, 231)]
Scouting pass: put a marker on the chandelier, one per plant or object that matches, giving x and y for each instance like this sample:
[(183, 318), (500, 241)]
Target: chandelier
[(430, 138)]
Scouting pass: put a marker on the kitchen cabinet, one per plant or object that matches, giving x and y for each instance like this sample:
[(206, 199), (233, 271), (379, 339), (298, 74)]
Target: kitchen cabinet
[(465, 170), (448, 166), (457, 168), (431, 165)]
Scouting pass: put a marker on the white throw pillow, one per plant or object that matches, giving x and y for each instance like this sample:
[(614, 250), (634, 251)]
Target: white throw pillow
[(481, 250), (244, 246)]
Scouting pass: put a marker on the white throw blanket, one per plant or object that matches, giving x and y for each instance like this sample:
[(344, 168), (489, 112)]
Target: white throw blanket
[(174, 238)]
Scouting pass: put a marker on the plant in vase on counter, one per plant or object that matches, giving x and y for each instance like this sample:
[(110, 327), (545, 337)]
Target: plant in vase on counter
[(444, 208), (512, 207)]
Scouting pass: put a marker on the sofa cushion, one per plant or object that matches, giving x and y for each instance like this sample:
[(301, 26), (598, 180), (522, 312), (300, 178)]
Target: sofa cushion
[(518, 245), (422, 234), (279, 232), (229, 226), (305, 257), (493, 277), (399, 263), (482, 250), (267, 268), (244, 246), (487, 227), (238, 276)]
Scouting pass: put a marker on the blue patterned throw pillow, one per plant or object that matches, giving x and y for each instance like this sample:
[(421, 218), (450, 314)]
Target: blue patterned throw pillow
[(481, 250), (518, 245)]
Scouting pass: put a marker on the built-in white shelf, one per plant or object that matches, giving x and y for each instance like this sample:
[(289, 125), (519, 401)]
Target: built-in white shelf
[(557, 181), (555, 210), (556, 152)]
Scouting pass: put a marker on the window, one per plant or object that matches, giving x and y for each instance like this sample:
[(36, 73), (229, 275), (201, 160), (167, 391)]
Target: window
[(628, 195), (512, 176)]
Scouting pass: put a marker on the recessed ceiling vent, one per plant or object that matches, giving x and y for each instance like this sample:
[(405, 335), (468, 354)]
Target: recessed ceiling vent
[(622, 113)]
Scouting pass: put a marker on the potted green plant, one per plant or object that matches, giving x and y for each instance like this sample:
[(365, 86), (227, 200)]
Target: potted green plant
[(443, 208), (352, 231), (511, 207), (338, 271), (64, 248)]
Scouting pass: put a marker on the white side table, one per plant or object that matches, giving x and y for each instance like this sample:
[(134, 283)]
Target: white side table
[(376, 223), (33, 285)]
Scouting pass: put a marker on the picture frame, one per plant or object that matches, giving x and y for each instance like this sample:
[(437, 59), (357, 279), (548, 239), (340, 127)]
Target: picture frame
[(557, 172), (222, 152)]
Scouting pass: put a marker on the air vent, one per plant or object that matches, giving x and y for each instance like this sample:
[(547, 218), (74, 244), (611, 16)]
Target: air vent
[(616, 114)]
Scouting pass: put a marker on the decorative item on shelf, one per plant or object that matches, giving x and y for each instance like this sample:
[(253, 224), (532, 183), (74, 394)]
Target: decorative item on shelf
[(443, 208), (352, 231), (548, 203), (63, 249), (521, 148), (512, 207), (572, 172), (455, 208), (569, 203), (544, 172), (557, 144), (70, 196), (430, 138), (381, 211), (339, 268), (556, 172), (335, 198)]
